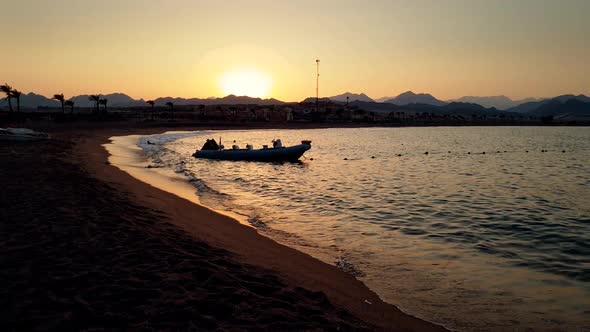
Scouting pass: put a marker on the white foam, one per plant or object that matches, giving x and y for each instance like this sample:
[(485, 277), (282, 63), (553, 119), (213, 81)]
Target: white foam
[(153, 143)]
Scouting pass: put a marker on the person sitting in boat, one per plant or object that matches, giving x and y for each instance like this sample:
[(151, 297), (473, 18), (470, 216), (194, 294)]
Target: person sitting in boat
[(210, 144), (276, 143)]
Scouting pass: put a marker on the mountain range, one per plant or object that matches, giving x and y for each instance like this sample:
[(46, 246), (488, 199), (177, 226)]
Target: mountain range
[(531, 106), (564, 106), (499, 102), (409, 97), (405, 98), (33, 100), (351, 97)]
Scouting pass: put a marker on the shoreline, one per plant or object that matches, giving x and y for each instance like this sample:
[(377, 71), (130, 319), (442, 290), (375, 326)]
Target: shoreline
[(225, 232), (79, 253)]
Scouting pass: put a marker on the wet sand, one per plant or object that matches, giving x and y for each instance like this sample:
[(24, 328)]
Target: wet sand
[(85, 245)]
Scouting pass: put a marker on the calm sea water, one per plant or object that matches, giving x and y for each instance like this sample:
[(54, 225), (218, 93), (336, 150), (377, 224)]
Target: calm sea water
[(469, 240)]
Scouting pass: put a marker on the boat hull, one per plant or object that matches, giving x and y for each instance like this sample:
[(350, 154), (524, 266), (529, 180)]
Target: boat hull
[(21, 135), (291, 153)]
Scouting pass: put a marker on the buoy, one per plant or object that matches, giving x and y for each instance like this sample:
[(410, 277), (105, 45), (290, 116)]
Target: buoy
[(527, 151), (483, 152), (497, 151), (562, 151), (399, 154), (426, 152), (345, 158), (468, 152), (310, 158), (372, 157), (448, 151)]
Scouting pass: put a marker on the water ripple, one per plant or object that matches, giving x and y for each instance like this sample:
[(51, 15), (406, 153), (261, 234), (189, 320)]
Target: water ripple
[(444, 224)]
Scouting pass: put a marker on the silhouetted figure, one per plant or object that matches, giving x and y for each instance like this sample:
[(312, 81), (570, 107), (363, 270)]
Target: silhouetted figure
[(210, 144)]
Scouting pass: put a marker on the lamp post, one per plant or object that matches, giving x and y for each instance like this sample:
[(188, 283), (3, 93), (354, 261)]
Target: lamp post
[(317, 86)]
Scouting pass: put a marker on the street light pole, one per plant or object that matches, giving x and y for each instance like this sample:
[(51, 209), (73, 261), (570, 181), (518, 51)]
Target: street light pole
[(317, 86)]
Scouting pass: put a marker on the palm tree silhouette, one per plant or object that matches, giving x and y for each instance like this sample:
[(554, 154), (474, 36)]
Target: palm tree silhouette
[(70, 103), (104, 103), (152, 103), (171, 105), (7, 89), (16, 94), (96, 100), (60, 97)]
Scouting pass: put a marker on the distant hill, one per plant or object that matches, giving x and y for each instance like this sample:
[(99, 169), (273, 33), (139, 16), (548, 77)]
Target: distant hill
[(384, 99), (227, 100), (569, 109), (312, 100), (31, 100), (454, 108), (409, 97), (114, 100), (123, 100), (499, 102), (242, 100), (534, 105), (352, 97)]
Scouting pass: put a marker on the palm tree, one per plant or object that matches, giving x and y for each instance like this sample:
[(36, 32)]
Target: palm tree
[(70, 103), (171, 105), (104, 103), (96, 100), (60, 97), (151, 103), (7, 89), (16, 94)]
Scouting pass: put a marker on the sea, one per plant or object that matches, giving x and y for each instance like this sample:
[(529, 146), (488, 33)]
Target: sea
[(473, 228)]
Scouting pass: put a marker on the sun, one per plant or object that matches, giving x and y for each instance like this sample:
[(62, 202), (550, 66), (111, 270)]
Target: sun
[(249, 83)]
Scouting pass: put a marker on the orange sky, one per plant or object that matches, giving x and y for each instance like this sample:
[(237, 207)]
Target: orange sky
[(188, 48)]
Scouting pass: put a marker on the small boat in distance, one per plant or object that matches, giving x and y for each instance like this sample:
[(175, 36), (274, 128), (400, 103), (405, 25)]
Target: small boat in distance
[(211, 150), (21, 134)]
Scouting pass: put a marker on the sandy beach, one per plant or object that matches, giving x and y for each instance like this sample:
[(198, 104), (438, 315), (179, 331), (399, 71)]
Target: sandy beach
[(86, 246)]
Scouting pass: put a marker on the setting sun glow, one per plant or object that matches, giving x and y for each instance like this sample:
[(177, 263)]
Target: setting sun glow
[(245, 83)]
